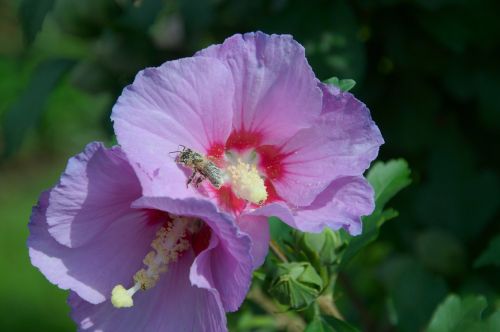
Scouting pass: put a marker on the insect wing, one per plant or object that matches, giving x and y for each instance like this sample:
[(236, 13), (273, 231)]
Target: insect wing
[(213, 174)]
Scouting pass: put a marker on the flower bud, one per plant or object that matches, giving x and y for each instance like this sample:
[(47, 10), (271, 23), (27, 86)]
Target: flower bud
[(327, 245), (296, 284)]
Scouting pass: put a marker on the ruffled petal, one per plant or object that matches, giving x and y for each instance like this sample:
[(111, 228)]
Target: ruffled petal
[(356, 138), (342, 142), (276, 90), (228, 254), (308, 165), (184, 102), (340, 205), (95, 190), (91, 270), (172, 305), (257, 227)]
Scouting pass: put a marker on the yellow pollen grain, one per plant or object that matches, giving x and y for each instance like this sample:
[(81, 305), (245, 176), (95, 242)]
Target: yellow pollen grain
[(247, 183)]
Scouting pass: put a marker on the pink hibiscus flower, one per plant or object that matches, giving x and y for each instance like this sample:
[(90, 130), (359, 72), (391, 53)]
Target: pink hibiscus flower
[(283, 143), (136, 263)]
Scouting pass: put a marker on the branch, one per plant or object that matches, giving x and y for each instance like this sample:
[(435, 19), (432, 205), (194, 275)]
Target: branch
[(328, 307)]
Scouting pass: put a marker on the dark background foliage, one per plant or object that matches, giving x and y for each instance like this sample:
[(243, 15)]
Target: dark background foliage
[(429, 71)]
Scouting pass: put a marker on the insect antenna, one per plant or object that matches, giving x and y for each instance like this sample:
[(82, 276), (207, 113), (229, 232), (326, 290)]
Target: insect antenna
[(183, 147)]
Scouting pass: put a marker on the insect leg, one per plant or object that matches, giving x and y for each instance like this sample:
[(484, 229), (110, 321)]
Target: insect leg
[(191, 178), (199, 180)]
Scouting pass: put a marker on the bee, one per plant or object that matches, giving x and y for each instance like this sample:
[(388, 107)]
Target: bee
[(203, 168)]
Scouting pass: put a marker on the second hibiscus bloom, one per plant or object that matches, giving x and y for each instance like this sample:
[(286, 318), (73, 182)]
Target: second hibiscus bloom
[(168, 265)]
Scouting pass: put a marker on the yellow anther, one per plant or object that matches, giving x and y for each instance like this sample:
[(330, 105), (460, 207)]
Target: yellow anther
[(168, 244), (247, 183)]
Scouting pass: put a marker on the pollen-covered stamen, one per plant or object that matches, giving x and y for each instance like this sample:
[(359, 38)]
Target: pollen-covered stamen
[(168, 244), (246, 182)]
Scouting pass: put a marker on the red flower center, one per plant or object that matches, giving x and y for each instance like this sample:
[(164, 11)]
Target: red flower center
[(269, 163)]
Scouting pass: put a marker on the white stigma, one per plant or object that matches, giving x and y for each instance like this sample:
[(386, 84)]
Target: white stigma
[(247, 183), (169, 242)]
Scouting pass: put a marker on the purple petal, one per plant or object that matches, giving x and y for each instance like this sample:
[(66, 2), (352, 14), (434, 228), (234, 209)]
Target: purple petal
[(91, 270), (257, 227), (277, 209), (276, 93), (309, 165), (228, 265), (172, 305), (95, 190), (355, 138), (184, 102), (340, 205), (343, 142)]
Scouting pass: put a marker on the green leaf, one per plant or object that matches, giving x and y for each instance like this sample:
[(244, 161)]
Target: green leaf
[(329, 324), (113, 141), (491, 255), (457, 315), (333, 81), (279, 230), (347, 84), (464, 315), (32, 14), (26, 111), (344, 85), (319, 325), (387, 180), (370, 233), (284, 237)]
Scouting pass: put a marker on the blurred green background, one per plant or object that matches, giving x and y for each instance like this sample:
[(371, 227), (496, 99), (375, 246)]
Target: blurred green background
[(429, 70)]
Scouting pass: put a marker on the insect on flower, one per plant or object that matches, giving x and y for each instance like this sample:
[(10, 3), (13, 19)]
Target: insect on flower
[(203, 168)]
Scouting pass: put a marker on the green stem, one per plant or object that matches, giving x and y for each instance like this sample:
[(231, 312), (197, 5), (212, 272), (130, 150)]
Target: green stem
[(275, 248)]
